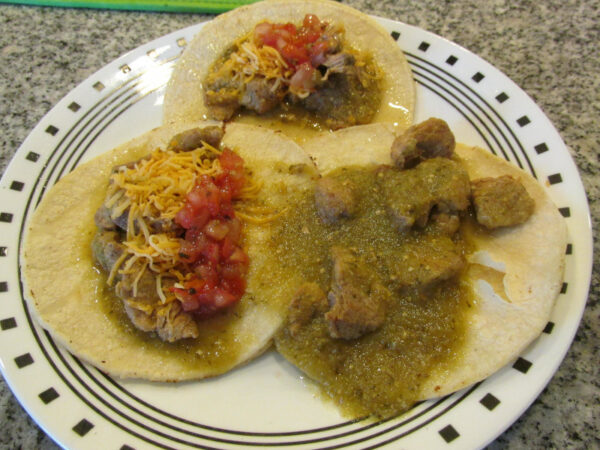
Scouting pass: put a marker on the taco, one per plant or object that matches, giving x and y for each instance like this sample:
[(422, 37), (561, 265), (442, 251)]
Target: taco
[(314, 64), (126, 270), (439, 264)]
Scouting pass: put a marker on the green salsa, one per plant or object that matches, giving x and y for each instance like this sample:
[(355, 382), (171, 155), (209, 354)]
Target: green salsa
[(381, 372)]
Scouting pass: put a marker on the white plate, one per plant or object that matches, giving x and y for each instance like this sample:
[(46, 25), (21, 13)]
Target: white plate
[(268, 403)]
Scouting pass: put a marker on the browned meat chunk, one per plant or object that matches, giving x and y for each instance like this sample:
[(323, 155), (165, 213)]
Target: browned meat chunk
[(334, 199), (163, 225), (169, 321), (224, 97), (411, 194), (349, 96), (142, 305), (145, 289), (357, 298), (429, 139), (222, 103), (192, 139), (501, 202), (121, 221), (308, 302), (146, 312), (157, 225), (260, 96), (339, 62), (173, 323), (103, 220), (427, 262), (107, 249)]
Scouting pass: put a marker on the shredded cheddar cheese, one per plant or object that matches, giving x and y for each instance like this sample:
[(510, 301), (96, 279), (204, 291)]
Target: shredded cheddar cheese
[(250, 60), (151, 192), (154, 189)]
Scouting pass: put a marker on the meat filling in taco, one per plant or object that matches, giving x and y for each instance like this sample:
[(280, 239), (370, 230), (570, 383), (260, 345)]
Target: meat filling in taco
[(390, 301), (169, 237), (292, 69)]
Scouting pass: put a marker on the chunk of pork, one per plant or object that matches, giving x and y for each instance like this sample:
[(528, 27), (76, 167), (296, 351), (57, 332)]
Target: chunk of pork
[(357, 298), (429, 139)]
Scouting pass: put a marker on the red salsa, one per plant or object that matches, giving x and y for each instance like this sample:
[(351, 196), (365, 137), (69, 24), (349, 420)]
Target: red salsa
[(304, 48), (212, 243)]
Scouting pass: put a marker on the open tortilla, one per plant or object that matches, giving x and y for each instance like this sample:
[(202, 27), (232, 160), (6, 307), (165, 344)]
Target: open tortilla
[(184, 97), (508, 315), (69, 295)]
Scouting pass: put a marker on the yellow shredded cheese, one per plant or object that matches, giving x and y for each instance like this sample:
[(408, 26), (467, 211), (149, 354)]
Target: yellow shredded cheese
[(115, 267), (152, 190), (250, 60), (137, 278), (155, 189)]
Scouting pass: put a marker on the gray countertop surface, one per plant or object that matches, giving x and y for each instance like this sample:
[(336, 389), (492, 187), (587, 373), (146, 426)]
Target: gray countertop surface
[(548, 47)]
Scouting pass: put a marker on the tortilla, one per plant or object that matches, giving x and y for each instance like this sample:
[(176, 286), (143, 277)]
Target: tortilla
[(184, 99), (532, 256), (506, 318), (68, 295)]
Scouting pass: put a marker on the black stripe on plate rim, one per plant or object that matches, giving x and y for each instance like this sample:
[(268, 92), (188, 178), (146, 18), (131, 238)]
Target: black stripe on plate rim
[(487, 104), (459, 110), (422, 83), (298, 442), (81, 135), (129, 84), (135, 398), (453, 90), (31, 323), (244, 433), (130, 99), (459, 400), (57, 155), (66, 381), (178, 439)]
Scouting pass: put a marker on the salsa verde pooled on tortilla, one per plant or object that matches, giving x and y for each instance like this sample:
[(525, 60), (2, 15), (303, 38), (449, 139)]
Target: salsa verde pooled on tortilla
[(316, 64), (438, 264)]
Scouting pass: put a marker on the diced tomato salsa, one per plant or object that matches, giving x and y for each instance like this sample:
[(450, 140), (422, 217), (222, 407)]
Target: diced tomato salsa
[(303, 48), (212, 244)]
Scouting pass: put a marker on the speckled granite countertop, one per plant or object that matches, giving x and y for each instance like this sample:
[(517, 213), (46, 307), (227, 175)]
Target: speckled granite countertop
[(548, 47)]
